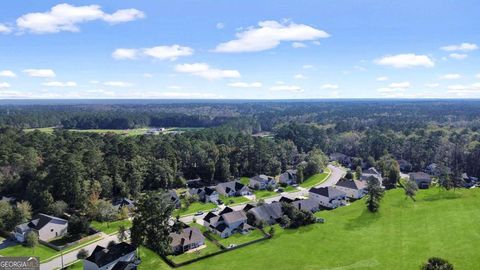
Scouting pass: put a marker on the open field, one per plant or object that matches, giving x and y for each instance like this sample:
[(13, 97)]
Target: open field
[(194, 207), (262, 194), (111, 227), (210, 248), (238, 238), (316, 179), (233, 200), (126, 132), (41, 251)]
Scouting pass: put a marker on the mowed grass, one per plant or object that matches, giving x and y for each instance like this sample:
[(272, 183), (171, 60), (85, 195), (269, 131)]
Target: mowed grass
[(150, 260), (238, 238), (234, 200), (126, 132), (210, 248), (111, 227), (316, 179), (41, 251), (262, 194), (402, 235), (194, 208)]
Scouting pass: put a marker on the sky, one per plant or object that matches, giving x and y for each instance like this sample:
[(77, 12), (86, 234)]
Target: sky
[(239, 49)]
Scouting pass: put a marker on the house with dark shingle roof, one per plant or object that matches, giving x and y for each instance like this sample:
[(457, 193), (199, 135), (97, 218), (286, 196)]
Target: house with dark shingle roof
[(47, 227), (108, 258), (404, 165), (173, 198), (329, 197), (268, 213), (232, 188), (227, 223), (123, 202), (289, 177), (371, 172), (353, 188), (205, 194), (187, 239), (342, 159), (307, 205), (423, 180), (262, 181)]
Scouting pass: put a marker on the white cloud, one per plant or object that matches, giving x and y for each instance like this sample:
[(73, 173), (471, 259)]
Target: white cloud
[(66, 17), (307, 66), (406, 61), (205, 71), (60, 84), (451, 76), (5, 29), (41, 73), (4, 85), (400, 85), (382, 78), (300, 77), (289, 88), (245, 85), (147, 75), (464, 90), (329, 86), (220, 25), (432, 85), (268, 35), (168, 52), (478, 76), (297, 45), (122, 54), (159, 52), (176, 87), (117, 84), (458, 56), (7, 73), (463, 47)]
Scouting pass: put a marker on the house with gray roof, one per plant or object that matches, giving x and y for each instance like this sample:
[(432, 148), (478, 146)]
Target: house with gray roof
[(47, 227), (187, 239), (329, 197), (227, 222), (268, 213), (289, 177), (205, 194), (423, 180), (123, 202), (371, 172), (232, 189), (353, 188), (307, 205), (262, 181), (173, 198), (119, 256)]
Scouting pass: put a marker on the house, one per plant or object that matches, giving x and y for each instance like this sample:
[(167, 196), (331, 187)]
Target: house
[(187, 239), (289, 177), (227, 222), (268, 213), (404, 165), (173, 198), (307, 205), (469, 181), (342, 159), (353, 188), (119, 203), (45, 226), (118, 256), (422, 179), (205, 194), (329, 197), (232, 188), (285, 199), (9, 199), (432, 169), (262, 182), (371, 172)]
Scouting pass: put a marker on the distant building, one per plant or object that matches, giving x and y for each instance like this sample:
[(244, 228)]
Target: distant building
[(342, 159), (123, 202), (187, 239), (173, 198), (404, 165), (353, 188), (432, 169), (371, 172), (329, 197), (233, 188), (262, 181), (205, 194), (119, 256), (422, 179), (47, 228), (289, 177)]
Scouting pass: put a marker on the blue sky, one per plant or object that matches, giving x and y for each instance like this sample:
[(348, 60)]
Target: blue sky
[(239, 49)]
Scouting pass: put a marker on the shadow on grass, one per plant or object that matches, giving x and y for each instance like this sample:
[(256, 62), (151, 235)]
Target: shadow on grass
[(365, 219), (442, 195)]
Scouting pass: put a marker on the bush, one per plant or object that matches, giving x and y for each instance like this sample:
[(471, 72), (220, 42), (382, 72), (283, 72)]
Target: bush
[(82, 254), (436, 263)]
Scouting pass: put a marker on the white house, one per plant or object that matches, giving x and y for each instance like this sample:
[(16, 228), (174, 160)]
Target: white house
[(47, 228), (329, 197), (353, 188), (108, 258)]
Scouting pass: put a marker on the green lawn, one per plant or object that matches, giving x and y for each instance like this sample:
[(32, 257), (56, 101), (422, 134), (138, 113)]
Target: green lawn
[(239, 238), (290, 189), (401, 236), (233, 200), (128, 132), (210, 248), (111, 227), (76, 266), (48, 130), (150, 260), (41, 251), (261, 194), (316, 179), (195, 207), (245, 180)]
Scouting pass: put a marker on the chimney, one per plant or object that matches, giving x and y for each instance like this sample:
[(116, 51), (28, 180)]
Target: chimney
[(190, 236), (299, 206)]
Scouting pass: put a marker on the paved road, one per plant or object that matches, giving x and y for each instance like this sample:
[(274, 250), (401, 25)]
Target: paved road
[(72, 256), (336, 174)]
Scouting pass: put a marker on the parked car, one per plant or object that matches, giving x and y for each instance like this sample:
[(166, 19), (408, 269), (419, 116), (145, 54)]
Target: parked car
[(199, 213)]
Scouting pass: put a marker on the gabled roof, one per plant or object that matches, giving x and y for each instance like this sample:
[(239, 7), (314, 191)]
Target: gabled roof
[(307, 204), (419, 175), (232, 185), (208, 216), (261, 178), (121, 202), (102, 256), (351, 184), (268, 211), (329, 192), (371, 170), (209, 191), (285, 199), (186, 236), (234, 216), (42, 220), (226, 210)]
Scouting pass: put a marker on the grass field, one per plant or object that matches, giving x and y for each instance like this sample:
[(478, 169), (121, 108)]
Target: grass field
[(210, 248), (239, 238), (261, 194), (245, 180), (41, 251), (195, 207), (401, 236), (233, 200), (111, 227), (316, 179)]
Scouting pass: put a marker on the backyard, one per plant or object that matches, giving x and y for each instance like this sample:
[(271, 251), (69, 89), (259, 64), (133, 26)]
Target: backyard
[(316, 179)]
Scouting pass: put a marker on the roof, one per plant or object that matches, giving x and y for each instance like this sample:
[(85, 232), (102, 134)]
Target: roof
[(248, 206), (285, 199), (226, 210), (306, 204), (42, 220), (124, 266), (232, 185), (261, 178), (289, 175), (208, 216), (267, 211), (351, 184), (420, 175), (234, 216), (102, 256), (186, 236), (337, 156), (329, 192), (371, 170), (209, 191), (121, 202)]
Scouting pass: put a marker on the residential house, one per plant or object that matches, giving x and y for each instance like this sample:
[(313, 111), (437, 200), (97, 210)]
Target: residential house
[(329, 197), (342, 159), (9, 199), (268, 213), (307, 204), (469, 181), (404, 165), (45, 226), (262, 181), (353, 188), (173, 198), (227, 222), (124, 202), (432, 169), (187, 239), (232, 188), (422, 179), (289, 177), (205, 194), (118, 256), (371, 172)]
